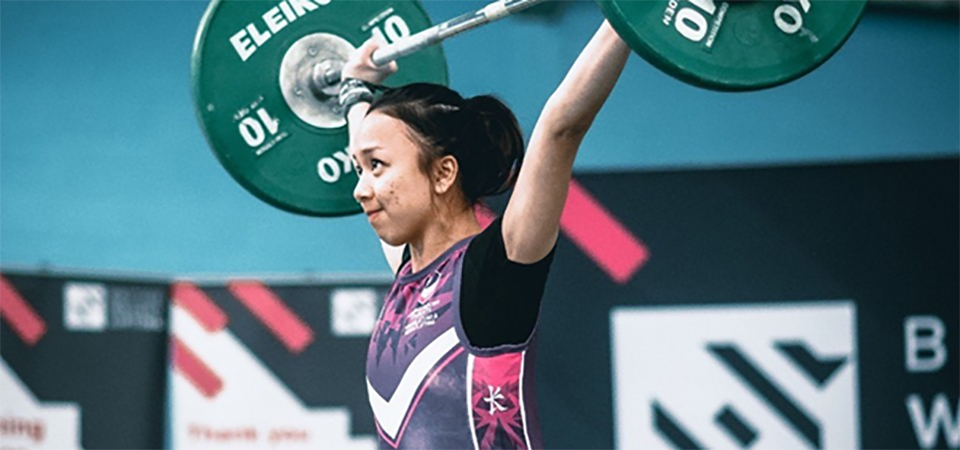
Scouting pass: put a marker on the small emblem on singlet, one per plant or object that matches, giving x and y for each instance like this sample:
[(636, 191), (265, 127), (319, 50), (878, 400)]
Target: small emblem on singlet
[(492, 400), (421, 317), (425, 314), (430, 286)]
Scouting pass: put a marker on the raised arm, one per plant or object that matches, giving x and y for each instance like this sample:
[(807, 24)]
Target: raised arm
[(531, 222), (360, 66)]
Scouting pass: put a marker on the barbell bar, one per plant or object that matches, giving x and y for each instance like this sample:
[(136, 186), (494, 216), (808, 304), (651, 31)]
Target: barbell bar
[(431, 36)]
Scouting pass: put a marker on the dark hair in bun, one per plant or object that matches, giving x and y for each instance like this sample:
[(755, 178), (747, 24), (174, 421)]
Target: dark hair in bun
[(480, 132)]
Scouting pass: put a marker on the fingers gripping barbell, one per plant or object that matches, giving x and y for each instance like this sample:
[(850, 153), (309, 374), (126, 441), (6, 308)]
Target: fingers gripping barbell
[(265, 73)]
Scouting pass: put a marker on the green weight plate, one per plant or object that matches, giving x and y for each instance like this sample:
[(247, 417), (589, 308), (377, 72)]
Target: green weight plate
[(277, 135), (737, 45)]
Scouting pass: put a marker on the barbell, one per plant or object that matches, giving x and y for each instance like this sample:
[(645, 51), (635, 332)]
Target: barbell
[(265, 73)]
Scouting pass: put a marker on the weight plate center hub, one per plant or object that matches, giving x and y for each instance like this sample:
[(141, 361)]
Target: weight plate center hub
[(318, 52)]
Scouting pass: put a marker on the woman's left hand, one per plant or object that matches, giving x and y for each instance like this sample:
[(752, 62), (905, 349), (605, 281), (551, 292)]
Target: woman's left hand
[(360, 65)]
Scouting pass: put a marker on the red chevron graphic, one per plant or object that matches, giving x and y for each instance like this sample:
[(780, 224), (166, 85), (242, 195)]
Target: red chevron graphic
[(274, 314), (484, 214), (190, 366), (189, 297), (20, 314), (601, 236)]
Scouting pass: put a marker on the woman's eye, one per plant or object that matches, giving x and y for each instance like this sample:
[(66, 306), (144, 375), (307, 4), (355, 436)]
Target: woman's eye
[(375, 164)]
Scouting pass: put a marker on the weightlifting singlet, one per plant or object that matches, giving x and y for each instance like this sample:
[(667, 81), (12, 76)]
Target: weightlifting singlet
[(428, 387)]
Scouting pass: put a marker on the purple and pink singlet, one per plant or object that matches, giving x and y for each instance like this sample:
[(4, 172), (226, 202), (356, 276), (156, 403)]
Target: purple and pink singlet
[(428, 387)]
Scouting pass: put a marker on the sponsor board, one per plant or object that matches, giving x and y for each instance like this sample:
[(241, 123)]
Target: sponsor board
[(83, 361), (764, 377), (256, 366), (28, 423)]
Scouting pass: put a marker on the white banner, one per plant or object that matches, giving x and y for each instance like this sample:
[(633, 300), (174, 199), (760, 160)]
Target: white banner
[(763, 377)]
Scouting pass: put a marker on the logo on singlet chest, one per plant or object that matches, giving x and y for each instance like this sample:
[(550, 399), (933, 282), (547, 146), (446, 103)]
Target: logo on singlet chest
[(424, 314)]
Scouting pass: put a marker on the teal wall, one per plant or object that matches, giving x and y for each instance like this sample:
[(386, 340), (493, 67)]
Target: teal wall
[(103, 165)]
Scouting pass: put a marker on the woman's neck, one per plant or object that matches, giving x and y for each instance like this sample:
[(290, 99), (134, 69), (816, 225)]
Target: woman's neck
[(441, 234)]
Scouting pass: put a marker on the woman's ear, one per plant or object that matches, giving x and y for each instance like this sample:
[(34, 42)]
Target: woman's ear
[(445, 171)]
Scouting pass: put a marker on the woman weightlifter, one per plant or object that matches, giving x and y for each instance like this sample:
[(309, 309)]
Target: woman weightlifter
[(450, 362)]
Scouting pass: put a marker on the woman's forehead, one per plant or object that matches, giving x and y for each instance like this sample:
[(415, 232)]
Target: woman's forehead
[(377, 119), (380, 132)]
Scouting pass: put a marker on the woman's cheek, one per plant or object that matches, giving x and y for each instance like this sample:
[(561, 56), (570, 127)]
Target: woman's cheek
[(391, 189)]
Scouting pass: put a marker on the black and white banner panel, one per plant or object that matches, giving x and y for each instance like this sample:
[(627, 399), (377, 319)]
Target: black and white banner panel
[(792, 307), (83, 361), (262, 364)]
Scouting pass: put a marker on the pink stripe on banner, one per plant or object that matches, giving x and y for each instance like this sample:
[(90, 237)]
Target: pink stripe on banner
[(189, 297), (190, 366), (20, 315), (485, 215), (601, 236), (274, 314)]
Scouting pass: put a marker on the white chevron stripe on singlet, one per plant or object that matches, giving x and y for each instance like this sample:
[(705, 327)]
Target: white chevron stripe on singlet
[(390, 414), (523, 408), (473, 429)]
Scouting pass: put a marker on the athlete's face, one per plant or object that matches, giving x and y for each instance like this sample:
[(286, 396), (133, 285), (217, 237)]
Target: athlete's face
[(394, 193)]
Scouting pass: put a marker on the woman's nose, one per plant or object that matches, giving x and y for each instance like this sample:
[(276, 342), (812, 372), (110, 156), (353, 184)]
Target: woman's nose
[(362, 190)]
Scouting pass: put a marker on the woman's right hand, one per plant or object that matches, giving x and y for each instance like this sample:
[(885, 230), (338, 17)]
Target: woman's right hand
[(360, 65)]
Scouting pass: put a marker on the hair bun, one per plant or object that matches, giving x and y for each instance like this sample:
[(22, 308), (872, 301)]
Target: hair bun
[(498, 147)]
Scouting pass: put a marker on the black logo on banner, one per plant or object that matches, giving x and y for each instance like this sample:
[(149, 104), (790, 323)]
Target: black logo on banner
[(745, 376), (765, 388)]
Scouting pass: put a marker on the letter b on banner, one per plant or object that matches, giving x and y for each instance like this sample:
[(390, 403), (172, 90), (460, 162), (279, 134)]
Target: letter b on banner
[(923, 343)]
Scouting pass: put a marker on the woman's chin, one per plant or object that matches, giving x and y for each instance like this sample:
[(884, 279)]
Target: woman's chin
[(387, 237)]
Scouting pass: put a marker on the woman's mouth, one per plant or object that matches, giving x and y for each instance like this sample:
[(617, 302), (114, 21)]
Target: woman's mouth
[(373, 213)]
